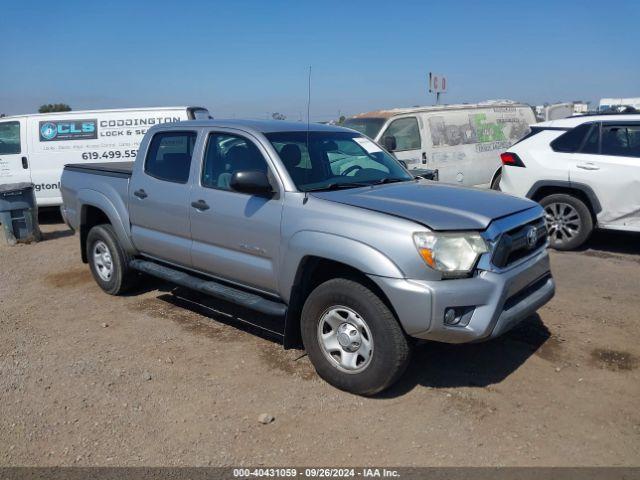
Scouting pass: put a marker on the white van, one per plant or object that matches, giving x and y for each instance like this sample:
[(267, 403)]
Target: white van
[(463, 142), (35, 148)]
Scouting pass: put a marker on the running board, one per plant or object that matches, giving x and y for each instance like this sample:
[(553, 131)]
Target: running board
[(215, 289)]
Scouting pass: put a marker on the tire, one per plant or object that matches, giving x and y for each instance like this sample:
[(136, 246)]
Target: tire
[(350, 306), (495, 185), (569, 221), (102, 242)]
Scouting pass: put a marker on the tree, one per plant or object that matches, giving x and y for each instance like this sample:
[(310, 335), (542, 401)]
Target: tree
[(278, 116), (54, 107)]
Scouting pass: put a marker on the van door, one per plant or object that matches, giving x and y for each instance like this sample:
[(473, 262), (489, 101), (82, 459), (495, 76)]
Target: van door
[(236, 236), (14, 161), (404, 133), (159, 198)]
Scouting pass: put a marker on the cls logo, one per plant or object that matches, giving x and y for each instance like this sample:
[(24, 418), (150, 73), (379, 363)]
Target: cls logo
[(68, 130)]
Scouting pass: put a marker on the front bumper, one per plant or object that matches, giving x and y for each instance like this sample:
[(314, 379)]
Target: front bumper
[(495, 302)]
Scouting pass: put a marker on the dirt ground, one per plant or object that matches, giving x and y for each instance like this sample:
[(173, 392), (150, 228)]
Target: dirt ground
[(152, 379)]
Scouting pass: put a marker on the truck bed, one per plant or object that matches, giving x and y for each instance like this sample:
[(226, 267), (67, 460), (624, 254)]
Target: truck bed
[(109, 169)]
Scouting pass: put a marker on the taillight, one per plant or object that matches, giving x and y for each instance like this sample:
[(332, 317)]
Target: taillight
[(511, 159)]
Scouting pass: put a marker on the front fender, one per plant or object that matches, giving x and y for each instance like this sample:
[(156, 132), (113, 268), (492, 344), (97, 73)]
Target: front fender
[(358, 255), (117, 214)]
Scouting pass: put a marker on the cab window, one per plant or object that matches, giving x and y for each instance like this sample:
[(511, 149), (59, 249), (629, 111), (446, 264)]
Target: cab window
[(406, 133), (169, 156), (226, 154), (9, 138)]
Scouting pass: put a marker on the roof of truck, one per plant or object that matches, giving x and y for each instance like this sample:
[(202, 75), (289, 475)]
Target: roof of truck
[(436, 108), (260, 126), (108, 110)]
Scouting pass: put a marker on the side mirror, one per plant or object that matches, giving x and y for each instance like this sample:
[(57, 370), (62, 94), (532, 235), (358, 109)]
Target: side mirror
[(253, 182), (389, 143)]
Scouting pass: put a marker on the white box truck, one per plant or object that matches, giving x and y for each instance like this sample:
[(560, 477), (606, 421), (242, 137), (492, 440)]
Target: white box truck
[(35, 148)]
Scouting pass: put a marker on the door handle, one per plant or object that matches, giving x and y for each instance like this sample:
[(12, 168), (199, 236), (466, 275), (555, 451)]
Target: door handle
[(25, 163), (587, 166), (424, 157), (140, 193), (200, 205)]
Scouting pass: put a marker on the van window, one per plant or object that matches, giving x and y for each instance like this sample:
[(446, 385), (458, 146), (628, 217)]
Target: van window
[(406, 132), (169, 156), (9, 138), (621, 140), (572, 140), (367, 125)]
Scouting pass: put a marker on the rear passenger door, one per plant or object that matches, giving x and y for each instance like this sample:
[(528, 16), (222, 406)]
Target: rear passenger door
[(159, 198), (609, 162), (236, 236)]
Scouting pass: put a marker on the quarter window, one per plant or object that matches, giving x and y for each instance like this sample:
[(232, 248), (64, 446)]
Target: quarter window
[(406, 133), (592, 142), (620, 140), (169, 156), (227, 154), (9, 138)]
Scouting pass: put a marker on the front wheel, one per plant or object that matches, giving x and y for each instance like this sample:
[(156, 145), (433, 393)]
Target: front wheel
[(569, 221), (353, 340)]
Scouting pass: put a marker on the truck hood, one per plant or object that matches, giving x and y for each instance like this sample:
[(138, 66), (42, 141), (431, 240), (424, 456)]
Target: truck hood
[(435, 205)]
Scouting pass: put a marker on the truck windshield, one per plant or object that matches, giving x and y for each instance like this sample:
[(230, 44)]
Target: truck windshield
[(367, 126), (335, 160)]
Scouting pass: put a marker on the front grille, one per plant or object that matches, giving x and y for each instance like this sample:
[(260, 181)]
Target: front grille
[(519, 243)]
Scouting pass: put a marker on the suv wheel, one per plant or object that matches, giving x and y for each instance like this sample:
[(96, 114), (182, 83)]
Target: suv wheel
[(568, 220), (353, 340), (109, 263)]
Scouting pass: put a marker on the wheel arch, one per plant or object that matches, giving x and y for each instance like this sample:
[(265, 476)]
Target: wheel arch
[(95, 209), (312, 271), (584, 192), (495, 175)]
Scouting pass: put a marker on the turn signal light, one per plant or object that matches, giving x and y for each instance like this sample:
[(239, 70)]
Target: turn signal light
[(511, 160)]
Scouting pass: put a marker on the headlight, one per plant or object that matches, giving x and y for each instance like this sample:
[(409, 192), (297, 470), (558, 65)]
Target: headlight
[(452, 253)]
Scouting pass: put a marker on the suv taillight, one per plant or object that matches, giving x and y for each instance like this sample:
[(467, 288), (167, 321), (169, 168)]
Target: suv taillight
[(511, 159)]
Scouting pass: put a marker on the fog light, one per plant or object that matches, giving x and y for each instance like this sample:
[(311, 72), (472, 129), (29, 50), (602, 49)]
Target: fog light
[(450, 317)]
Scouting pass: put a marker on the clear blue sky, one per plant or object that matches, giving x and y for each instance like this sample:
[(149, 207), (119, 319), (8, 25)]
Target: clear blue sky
[(247, 58)]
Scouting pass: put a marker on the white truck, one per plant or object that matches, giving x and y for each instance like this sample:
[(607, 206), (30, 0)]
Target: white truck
[(34, 148)]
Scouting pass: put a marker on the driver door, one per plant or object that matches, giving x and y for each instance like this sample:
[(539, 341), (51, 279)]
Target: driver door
[(235, 236), (405, 133)]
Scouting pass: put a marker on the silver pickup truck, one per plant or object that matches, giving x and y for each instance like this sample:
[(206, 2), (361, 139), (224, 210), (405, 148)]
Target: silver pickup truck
[(318, 227)]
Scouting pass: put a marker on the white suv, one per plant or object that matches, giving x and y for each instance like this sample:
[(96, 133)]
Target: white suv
[(584, 171)]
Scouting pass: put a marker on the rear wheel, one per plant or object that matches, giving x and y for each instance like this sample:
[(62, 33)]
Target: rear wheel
[(569, 221), (108, 261), (353, 340)]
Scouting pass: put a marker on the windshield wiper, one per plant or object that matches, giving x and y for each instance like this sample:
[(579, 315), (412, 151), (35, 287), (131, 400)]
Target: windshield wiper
[(338, 185), (390, 180)]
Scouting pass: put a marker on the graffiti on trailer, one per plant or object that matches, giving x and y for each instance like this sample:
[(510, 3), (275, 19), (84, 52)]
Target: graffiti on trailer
[(487, 135)]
